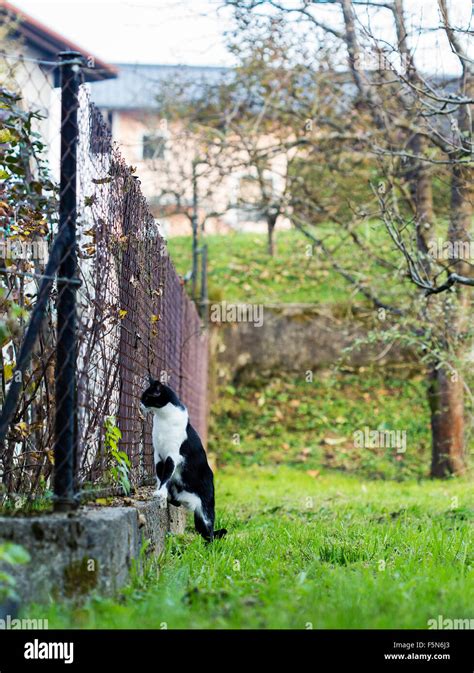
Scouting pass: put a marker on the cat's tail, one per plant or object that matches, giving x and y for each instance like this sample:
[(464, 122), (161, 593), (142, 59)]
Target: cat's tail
[(220, 533)]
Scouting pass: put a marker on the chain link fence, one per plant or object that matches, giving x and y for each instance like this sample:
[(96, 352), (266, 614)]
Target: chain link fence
[(90, 303)]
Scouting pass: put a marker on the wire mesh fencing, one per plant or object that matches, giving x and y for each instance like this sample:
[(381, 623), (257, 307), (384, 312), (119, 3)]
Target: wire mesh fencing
[(90, 303)]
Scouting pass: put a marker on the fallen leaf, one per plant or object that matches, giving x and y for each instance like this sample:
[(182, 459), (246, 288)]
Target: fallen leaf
[(333, 441)]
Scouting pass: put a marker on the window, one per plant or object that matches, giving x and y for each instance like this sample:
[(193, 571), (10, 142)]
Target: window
[(154, 145)]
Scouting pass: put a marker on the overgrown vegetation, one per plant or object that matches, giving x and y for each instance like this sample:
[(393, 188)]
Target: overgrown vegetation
[(118, 462), (310, 425), (10, 555), (28, 215), (27, 208)]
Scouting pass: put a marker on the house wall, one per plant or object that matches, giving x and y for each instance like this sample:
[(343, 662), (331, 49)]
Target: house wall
[(35, 83), (162, 178)]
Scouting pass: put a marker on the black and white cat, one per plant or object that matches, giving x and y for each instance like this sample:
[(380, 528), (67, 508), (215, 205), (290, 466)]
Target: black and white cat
[(184, 475)]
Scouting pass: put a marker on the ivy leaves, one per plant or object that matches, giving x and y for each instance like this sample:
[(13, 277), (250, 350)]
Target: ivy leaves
[(119, 462)]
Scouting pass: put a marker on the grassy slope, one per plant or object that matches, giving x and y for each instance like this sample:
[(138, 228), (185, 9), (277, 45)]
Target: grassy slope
[(241, 270), (310, 425)]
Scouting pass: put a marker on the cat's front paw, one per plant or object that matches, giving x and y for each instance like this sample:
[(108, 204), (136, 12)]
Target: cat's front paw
[(161, 494)]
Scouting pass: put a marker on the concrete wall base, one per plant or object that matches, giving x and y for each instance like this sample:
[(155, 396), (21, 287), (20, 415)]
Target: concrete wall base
[(90, 549)]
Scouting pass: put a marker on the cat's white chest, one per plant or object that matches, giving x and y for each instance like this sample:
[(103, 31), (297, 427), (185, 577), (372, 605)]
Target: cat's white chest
[(169, 432)]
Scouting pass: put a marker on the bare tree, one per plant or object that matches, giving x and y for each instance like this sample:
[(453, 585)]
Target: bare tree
[(413, 127)]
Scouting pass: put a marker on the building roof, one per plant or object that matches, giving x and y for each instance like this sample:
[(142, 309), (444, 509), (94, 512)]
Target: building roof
[(50, 44), (137, 86)]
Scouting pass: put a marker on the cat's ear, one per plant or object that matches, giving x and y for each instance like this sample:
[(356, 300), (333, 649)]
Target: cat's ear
[(156, 383)]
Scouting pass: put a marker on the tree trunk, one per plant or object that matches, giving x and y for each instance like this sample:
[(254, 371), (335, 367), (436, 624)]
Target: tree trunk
[(271, 221), (446, 389), (446, 393), (461, 212), (446, 399)]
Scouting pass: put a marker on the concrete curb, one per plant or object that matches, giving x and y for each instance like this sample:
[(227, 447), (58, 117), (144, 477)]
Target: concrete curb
[(90, 549)]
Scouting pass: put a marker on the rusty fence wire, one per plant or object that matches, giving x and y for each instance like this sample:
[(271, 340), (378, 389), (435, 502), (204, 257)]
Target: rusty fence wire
[(83, 326)]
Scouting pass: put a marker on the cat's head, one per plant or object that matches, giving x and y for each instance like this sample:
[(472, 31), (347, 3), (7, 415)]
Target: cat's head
[(158, 395)]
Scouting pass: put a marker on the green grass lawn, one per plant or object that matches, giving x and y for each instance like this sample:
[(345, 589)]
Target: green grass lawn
[(328, 552), (325, 538), (240, 268)]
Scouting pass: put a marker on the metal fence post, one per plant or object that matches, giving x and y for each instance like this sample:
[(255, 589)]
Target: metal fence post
[(194, 222), (204, 303), (65, 447)]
